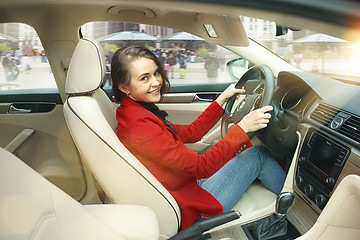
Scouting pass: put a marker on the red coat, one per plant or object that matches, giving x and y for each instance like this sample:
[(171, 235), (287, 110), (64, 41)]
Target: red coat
[(177, 167)]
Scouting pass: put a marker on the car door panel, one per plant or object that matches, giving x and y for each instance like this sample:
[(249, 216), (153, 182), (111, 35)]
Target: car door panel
[(37, 133)]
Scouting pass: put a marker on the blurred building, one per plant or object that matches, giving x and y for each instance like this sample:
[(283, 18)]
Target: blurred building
[(156, 31), (27, 38)]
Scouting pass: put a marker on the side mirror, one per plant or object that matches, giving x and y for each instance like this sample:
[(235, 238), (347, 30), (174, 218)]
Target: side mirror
[(237, 67)]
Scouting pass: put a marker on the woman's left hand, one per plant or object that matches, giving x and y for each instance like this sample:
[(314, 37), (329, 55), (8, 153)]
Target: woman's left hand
[(228, 93)]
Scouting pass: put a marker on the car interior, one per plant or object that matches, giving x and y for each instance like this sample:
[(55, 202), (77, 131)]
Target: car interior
[(65, 174)]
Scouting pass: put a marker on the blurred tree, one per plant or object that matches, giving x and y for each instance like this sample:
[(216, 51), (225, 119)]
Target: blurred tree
[(150, 47), (109, 47), (202, 53), (4, 48)]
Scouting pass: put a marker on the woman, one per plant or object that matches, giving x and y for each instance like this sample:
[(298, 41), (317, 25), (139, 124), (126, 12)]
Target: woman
[(202, 185)]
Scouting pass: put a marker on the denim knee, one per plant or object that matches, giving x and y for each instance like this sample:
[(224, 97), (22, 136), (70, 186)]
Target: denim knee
[(262, 152)]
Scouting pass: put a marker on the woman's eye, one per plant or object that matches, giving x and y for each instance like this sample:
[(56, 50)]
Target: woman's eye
[(144, 78), (156, 73)]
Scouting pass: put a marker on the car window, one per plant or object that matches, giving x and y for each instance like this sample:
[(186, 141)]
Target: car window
[(24, 65), (307, 50), (186, 58)]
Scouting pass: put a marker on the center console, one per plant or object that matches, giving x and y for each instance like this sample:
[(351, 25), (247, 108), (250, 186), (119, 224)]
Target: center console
[(320, 162)]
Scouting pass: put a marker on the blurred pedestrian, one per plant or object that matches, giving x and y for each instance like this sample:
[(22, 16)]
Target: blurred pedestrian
[(10, 67), (172, 62), (212, 65), (43, 56), (34, 54), (166, 67), (18, 55), (111, 54), (25, 61), (107, 77), (161, 57), (183, 66)]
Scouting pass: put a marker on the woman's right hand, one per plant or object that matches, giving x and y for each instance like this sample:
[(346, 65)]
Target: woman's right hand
[(228, 93), (256, 120)]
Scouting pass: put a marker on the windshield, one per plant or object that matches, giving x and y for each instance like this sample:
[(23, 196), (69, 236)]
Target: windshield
[(305, 49)]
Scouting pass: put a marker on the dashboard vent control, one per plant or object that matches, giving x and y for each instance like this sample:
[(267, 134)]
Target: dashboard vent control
[(351, 128), (324, 114), (338, 120)]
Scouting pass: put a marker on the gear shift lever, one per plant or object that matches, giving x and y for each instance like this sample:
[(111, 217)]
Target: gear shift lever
[(283, 202), (275, 225)]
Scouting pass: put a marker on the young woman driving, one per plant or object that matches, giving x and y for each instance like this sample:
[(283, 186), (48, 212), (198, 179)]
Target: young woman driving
[(207, 184)]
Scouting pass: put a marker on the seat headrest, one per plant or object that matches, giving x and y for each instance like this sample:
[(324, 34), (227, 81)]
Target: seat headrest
[(86, 69)]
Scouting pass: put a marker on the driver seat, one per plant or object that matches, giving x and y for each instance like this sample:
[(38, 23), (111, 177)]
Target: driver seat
[(90, 116)]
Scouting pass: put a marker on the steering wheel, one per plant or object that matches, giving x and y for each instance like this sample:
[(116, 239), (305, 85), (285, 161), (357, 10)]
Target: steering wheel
[(251, 100)]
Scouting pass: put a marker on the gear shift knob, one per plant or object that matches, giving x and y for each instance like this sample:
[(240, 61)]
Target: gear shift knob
[(283, 202)]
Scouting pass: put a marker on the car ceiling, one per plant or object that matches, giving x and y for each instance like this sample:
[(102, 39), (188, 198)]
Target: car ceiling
[(327, 16)]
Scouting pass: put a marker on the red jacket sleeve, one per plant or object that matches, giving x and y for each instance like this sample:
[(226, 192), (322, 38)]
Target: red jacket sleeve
[(155, 143), (197, 129)]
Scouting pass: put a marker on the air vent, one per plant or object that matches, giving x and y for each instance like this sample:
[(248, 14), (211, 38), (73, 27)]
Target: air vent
[(351, 128), (324, 114)]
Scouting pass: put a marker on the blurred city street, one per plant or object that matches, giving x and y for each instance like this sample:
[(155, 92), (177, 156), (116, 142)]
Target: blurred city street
[(40, 76)]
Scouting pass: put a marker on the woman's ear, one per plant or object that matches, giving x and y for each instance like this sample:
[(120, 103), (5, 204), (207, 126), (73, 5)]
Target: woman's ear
[(123, 89)]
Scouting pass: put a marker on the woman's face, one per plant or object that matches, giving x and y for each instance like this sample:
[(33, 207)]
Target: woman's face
[(145, 81)]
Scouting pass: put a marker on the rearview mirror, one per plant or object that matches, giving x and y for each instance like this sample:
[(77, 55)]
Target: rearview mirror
[(282, 30)]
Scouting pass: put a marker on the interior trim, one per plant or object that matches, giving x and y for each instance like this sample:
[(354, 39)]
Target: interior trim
[(114, 10), (51, 95), (178, 98), (19, 140)]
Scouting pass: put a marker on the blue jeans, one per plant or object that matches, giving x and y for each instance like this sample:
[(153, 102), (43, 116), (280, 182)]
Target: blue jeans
[(231, 181)]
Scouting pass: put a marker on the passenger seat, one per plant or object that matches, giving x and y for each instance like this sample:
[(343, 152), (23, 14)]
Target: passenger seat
[(33, 208)]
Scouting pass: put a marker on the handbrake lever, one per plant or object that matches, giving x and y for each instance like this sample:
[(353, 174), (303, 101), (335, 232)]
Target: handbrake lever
[(195, 231)]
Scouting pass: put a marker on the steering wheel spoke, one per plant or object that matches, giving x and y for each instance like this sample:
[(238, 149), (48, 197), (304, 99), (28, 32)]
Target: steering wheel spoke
[(228, 118), (244, 107)]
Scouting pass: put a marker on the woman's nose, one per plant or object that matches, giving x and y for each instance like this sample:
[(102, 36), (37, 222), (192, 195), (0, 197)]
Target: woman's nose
[(155, 81)]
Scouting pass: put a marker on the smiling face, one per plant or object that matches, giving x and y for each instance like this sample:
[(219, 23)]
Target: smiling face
[(145, 81)]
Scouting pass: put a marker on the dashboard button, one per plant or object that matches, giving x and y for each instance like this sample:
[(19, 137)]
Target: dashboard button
[(320, 200), (299, 180), (302, 159), (330, 181), (309, 190)]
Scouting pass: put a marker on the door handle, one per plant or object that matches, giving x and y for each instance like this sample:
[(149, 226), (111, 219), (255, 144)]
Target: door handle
[(199, 99), (205, 97), (13, 109)]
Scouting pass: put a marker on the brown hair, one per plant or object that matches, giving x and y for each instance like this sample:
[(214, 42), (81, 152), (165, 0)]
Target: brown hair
[(120, 68)]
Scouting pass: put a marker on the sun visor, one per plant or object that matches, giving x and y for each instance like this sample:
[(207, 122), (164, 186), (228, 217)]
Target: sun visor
[(220, 29)]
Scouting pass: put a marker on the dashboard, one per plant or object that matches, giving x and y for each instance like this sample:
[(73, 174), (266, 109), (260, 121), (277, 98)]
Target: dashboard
[(325, 103), (326, 113)]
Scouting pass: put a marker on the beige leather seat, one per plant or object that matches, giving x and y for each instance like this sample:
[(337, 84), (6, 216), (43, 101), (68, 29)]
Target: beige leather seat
[(90, 116), (33, 208)]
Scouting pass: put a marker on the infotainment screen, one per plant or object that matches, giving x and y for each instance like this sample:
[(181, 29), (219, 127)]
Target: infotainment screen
[(323, 154)]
